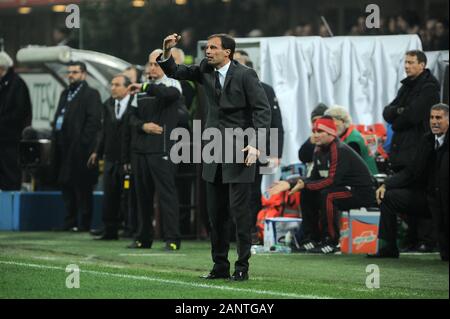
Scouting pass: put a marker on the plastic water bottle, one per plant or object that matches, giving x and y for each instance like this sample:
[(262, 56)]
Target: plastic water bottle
[(281, 249), (257, 249)]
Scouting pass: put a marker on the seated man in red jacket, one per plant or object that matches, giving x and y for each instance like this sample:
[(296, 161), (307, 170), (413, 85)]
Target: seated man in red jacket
[(340, 180)]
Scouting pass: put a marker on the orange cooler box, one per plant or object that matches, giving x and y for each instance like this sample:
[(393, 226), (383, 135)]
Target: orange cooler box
[(359, 232)]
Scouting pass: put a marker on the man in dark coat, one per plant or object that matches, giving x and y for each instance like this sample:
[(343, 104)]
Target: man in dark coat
[(75, 127), (429, 168), (236, 100), (409, 111), (115, 111), (15, 115), (408, 114)]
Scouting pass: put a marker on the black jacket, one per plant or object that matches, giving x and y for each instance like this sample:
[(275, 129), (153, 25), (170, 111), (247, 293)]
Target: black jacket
[(242, 103), (15, 107), (77, 139), (160, 106), (338, 165), (112, 133), (409, 114), (276, 121), (429, 168)]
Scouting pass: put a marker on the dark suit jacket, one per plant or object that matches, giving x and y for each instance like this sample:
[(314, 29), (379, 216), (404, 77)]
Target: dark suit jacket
[(78, 136), (276, 121), (242, 104), (112, 133)]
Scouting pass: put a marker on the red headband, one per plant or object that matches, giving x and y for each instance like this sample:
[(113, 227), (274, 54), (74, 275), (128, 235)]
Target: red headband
[(326, 125)]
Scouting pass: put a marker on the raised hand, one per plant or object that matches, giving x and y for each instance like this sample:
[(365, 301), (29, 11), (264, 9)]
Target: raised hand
[(170, 42)]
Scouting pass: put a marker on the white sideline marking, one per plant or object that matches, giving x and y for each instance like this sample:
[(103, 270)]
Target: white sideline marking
[(167, 281), (150, 255)]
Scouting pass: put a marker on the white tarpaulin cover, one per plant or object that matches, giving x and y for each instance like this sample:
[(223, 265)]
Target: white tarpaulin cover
[(362, 74)]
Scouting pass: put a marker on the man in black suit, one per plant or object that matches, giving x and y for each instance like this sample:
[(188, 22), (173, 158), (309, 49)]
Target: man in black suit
[(429, 169), (236, 100), (75, 127), (115, 111)]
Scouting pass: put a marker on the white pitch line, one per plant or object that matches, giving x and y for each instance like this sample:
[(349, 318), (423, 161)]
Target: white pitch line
[(175, 282), (151, 255)]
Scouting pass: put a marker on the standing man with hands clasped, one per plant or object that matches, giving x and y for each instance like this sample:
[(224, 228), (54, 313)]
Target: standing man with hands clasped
[(236, 99)]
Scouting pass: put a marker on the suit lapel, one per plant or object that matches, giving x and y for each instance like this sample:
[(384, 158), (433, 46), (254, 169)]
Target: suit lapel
[(229, 75)]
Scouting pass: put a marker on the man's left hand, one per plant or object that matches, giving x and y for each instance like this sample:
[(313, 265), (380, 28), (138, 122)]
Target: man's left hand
[(252, 155)]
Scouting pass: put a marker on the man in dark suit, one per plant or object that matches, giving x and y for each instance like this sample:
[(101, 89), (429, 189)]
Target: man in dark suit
[(429, 169), (115, 111), (75, 127), (236, 99)]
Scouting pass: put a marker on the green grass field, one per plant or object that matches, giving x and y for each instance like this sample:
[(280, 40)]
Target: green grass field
[(32, 265)]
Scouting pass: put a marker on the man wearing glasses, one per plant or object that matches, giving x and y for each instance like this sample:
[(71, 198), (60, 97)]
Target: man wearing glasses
[(76, 124)]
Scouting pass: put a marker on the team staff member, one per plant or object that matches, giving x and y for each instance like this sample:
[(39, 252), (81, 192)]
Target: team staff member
[(340, 179), (109, 148), (75, 128), (153, 119), (236, 99)]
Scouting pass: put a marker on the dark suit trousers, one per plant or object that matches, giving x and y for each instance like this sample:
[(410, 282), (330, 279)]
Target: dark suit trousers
[(439, 211), (112, 184), (153, 173), (76, 199), (405, 201), (226, 202)]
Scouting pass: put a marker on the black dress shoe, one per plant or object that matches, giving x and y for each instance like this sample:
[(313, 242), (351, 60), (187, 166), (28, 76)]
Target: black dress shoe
[(239, 276), (385, 253), (425, 248), (96, 232), (216, 275), (107, 237), (140, 245)]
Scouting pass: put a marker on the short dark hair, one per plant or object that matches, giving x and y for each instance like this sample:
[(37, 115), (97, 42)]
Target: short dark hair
[(421, 57), (82, 65), (440, 107), (242, 52), (228, 42), (126, 79)]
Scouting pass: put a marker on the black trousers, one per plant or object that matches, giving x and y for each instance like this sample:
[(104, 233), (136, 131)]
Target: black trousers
[(154, 173), (228, 202), (78, 199), (439, 211), (404, 201), (255, 197), (112, 198), (321, 209), (10, 173)]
